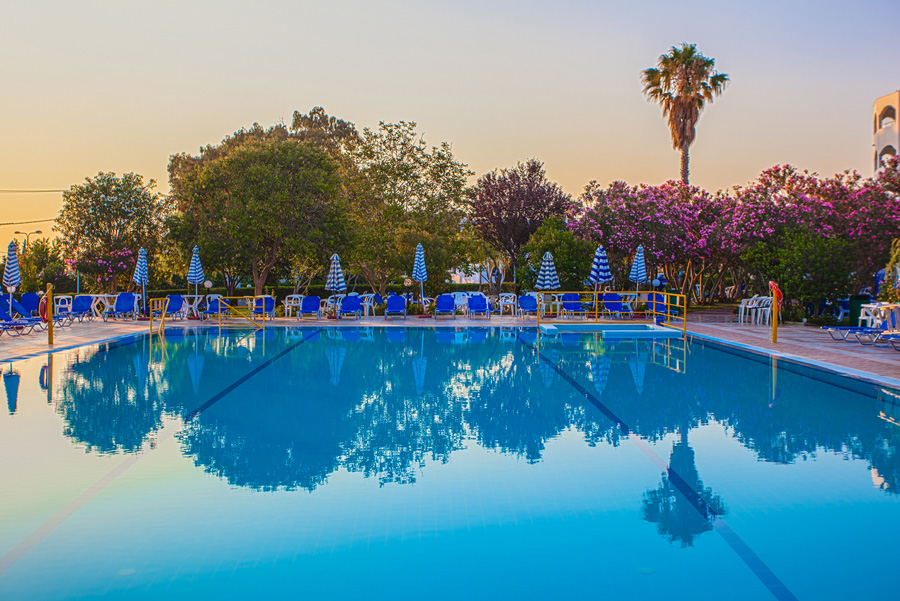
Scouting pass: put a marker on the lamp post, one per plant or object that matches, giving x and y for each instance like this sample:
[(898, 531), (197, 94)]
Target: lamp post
[(26, 234)]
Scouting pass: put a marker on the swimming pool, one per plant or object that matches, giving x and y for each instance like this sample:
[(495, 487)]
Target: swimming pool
[(440, 463)]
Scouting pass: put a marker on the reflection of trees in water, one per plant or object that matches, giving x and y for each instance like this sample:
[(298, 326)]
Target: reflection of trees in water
[(681, 507), (509, 407), (379, 420), (110, 398)]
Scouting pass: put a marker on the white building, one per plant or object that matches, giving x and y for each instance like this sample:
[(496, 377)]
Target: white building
[(886, 128)]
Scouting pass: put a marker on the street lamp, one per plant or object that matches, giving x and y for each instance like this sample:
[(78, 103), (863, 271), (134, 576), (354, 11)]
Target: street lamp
[(26, 234)]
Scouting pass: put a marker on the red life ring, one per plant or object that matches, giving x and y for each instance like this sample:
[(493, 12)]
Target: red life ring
[(42, 309)]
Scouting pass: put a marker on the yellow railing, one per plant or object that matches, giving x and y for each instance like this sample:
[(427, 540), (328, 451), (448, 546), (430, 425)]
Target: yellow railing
[(593, 309), (244, 312), (160, 305)]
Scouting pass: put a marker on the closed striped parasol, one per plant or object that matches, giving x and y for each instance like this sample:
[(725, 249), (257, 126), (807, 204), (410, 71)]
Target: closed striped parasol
[(600, 273), (335, 281), (547, 278), (195, 271), (638, 273), (420, 274), (11, 276), (142, 275)]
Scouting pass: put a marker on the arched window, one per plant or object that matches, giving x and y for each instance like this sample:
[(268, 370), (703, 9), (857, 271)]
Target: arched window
[(886, 152), (887, 117)]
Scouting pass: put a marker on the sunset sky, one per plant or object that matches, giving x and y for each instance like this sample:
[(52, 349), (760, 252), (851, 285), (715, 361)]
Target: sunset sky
[(120, 86)]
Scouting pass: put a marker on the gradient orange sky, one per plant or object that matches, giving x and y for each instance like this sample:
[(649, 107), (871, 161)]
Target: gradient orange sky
[(120, 86)]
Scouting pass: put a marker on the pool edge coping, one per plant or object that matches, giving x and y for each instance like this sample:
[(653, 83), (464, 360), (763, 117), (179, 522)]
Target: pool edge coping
[(864, 376)]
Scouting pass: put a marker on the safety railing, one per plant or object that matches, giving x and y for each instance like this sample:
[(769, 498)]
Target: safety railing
[(227, 309), (662, 308), (159, 306)]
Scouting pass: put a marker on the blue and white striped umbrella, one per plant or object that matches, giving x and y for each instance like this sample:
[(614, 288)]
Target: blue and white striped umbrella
[(335, 281), (141, 272), (195, 271), (420, 274), (638, 273), (600, 273), (547, 278), (11, 276)]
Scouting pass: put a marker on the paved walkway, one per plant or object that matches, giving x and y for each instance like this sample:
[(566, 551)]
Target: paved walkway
[(806, 343)]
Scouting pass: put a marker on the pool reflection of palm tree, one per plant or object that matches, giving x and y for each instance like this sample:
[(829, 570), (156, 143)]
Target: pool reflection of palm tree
[(681, 507)]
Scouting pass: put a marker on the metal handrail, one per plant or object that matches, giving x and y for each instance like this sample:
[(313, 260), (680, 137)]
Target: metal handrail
[(672, 301), (161, 305), (229, 309)]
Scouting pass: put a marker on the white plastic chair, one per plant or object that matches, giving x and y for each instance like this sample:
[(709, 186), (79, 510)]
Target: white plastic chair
[(746, 306), (508, 299), (764, 310), (461, 300), (292, 302)]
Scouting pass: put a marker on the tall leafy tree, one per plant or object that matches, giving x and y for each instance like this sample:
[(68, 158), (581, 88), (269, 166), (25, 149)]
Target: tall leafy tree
[(258, 203), (109, 215), (506, 207), (682, 83), (401, 193)]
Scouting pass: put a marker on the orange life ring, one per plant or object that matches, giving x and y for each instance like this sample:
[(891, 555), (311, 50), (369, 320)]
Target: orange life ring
[(776, 292), (42, 309)]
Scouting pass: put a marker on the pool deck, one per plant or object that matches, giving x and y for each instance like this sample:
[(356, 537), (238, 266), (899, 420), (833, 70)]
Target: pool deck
[(805, 343)]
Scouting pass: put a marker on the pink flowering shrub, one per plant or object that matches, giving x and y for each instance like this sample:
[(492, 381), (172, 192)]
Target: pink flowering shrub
[(693, 236), (103, 271)]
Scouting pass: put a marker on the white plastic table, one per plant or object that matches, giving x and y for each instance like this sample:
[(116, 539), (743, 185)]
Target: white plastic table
[(192, 304), (102, 302)]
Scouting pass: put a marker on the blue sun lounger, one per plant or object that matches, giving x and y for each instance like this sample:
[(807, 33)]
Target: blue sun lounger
[(478, 304), (310, 305), (527, 304), (445, 304), (123, 307), (396, 306), (350, 305)]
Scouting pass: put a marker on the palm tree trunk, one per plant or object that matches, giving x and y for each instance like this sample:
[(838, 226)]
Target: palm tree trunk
[(685, 160)]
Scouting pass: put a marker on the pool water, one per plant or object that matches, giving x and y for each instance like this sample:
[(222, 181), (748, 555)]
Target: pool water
[(482, 463)]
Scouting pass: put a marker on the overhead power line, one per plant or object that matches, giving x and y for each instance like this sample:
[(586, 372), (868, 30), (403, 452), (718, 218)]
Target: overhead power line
[(28, 191), (24, 222)]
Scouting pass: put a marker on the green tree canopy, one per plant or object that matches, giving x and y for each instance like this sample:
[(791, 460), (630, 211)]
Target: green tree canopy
[(571, 255), (402, 193), (108, 215), (257, 203)]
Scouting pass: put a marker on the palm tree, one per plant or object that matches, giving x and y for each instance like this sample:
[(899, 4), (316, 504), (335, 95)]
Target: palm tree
[(683, 83)]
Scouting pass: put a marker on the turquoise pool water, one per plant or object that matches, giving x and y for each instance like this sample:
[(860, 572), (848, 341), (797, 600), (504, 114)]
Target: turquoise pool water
[(450, 463)]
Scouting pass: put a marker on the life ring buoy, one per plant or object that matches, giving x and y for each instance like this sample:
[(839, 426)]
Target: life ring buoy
[(776, 292), (42, 309)]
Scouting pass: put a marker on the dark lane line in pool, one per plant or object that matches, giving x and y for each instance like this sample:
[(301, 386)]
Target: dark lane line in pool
[(16, 553), (218, 397), (737, 544)]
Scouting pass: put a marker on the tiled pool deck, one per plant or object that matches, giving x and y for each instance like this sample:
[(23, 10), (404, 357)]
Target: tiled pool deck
[(794, 341)]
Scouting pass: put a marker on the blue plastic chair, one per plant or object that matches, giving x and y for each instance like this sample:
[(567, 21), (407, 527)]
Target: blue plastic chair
[(310, 305), (123, 307), (30, 301), (396, 306), (79, 309), (264, 306), (478, 304), (16, 327), (445, 304), (527, 304), (175, 308), (350, 306), (571, 304), (212, 309), (612, 304)]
